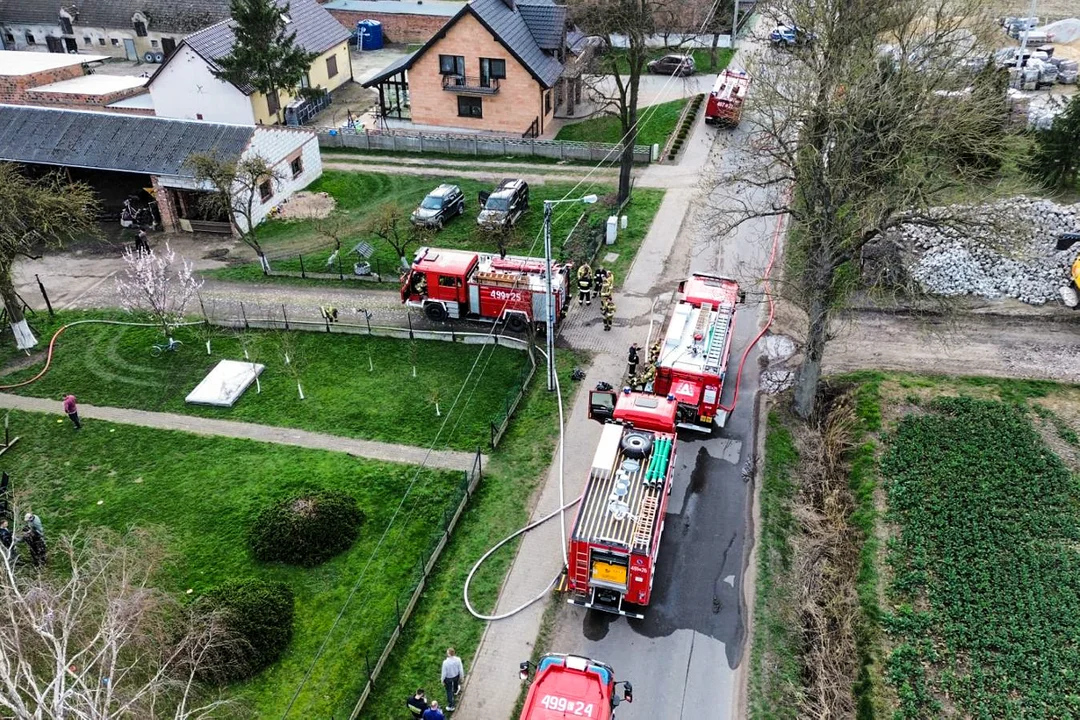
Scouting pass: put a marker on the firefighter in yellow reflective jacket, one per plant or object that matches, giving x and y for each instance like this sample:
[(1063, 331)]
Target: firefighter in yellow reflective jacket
[(584, 284), (607, 285), (607, 311)]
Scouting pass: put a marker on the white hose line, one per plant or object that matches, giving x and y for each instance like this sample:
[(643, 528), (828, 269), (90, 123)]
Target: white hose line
[(563, 507)]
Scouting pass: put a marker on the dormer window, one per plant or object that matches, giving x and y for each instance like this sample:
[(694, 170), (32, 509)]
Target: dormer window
[(138, 21), (65, 26)]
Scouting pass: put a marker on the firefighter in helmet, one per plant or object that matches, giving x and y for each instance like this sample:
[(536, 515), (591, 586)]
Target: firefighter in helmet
[(607, 311), (584, 284), (607, 284), (329, 313), (645, 379)]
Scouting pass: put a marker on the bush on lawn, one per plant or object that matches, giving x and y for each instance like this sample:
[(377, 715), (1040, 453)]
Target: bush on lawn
[(306, 529), (258, 617)]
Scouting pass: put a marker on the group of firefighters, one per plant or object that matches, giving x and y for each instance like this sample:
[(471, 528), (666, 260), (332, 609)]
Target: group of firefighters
[(603, 279)]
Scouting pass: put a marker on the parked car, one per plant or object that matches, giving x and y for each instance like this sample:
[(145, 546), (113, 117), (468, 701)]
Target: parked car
[(789, 35), (673, 65), (439, 207), (505, 205)]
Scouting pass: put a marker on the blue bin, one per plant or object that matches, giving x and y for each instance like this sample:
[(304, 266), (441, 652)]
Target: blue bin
[(369, 35)]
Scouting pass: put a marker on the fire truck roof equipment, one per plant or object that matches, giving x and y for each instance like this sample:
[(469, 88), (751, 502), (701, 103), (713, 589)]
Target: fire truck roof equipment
[(697, 334), (448, 262)]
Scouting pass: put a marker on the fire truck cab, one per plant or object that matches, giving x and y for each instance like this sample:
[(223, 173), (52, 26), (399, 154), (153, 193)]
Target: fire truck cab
[(456, 284), (569, 686), (695, 348), (726, 100), (616, 536)]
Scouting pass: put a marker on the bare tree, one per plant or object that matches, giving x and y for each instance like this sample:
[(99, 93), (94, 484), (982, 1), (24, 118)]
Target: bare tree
[(390, 222), (237, 191), (93, 639), (290, 352), (49, 211), (868, 125), (158, 284), (502, 235)]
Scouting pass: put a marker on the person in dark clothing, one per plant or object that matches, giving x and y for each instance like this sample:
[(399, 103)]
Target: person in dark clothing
[(141, 242), (36, 543), (433, 712), (6, 538), (417, 704), (632, 362)]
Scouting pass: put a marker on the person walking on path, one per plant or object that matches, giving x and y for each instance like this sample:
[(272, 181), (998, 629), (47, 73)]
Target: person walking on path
[(453, 673), (434, 713), (607, 311), (417, 704), (632, 363), (72, 411), (142, 244), (584, 284)]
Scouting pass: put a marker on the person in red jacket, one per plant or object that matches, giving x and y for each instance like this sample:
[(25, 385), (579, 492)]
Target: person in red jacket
[(72, 411)]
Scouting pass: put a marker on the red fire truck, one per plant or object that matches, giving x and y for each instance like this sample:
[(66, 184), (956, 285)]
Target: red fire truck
[(727, 97), (568, 686), (616, 536), (455, 284), (695, 348)]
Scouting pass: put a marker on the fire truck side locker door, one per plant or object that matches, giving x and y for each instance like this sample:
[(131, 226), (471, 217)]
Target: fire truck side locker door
[(474, 298)]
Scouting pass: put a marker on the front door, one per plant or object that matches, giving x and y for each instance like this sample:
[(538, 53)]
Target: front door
[(168, 46), (129, 49)]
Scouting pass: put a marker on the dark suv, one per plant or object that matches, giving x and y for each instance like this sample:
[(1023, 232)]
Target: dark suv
[(443, 203), (673, 65), (505, 205)]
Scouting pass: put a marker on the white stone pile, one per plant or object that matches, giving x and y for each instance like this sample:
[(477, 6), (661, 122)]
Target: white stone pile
[(1010, 252)]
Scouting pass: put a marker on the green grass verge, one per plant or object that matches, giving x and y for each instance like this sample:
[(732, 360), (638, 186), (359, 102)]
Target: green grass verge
[(110, 365), (702, 58), (774, 663), (478, 162), (358, 193), (198, 494), (659, 122), (985, 591), (498, 509)]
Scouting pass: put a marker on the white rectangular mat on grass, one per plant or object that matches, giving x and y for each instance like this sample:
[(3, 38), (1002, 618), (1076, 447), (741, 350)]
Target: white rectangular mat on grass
[(224, 385)]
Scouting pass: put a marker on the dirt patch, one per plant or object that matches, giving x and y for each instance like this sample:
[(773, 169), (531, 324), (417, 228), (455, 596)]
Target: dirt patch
[(306, 205)]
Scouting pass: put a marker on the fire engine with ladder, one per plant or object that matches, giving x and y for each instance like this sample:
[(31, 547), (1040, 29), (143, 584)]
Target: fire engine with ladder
[(695, 348), (569, 686), (616, 535), (457, 284), (726, 100)]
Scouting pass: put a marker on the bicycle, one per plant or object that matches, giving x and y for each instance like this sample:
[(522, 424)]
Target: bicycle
[(171, 346)]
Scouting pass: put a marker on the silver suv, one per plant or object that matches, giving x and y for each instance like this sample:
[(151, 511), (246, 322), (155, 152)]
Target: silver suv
[(441, 204), (505, 205)]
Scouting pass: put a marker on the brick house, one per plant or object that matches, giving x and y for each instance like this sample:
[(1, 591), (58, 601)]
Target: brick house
[(131, 29), (495, 66), (185, 87), (55, 80), (120, 155)]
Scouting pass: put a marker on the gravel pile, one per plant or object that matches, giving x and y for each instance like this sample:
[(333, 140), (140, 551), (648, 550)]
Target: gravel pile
[(1009, 252)]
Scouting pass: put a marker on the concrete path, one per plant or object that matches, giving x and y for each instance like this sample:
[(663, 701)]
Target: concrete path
[(443, 459)]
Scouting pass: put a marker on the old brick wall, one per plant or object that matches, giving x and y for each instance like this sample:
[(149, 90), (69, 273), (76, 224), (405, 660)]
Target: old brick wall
[(14, 87), (404, 29), (512, 109), (78, 100)]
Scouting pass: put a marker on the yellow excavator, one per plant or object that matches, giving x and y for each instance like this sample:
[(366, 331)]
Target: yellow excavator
[(1071, 292)]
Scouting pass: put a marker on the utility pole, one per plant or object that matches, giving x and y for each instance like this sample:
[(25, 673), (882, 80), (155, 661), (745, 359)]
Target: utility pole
[(1024, 40), (735, 24)]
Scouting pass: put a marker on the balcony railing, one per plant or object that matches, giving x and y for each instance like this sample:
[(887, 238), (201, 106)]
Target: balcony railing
[(470, 84)]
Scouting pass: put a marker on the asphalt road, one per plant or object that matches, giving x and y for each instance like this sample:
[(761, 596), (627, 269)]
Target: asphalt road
[(683, 657)]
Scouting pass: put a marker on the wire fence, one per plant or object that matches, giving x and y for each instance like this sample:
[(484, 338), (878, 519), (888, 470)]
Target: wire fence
[(327, 263), (376, 655)]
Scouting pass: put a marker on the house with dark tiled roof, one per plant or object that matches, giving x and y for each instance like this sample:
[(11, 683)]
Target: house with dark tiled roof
[(185, 86), (144, 30), (495, 66)]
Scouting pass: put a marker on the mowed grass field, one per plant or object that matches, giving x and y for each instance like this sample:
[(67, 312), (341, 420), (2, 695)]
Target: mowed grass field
[(360, 387), (198, 495)]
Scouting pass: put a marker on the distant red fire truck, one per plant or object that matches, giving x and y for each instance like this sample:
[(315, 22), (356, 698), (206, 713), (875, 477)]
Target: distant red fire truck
[(568, 686), (457, 284), (726, 100), (695, 348), (616, 535)]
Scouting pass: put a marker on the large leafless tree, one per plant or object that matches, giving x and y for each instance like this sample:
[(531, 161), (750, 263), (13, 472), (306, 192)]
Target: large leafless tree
[(90, 638), (866, 125)]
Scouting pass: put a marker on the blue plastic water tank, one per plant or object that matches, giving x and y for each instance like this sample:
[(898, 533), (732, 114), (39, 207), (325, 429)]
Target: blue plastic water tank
[(371, 38)]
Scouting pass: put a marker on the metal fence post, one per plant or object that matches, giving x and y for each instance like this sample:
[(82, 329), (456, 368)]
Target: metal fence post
[(421, 143), (244, 315), (340, 271), (302, 273), (393, 139), (285, 315), (44, 295), (409, 316)]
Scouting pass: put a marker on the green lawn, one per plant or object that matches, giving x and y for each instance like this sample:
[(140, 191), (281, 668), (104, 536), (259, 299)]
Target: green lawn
[(111, 365), (702, 58), (544, 164), (357, 193), (199, 494), (659, 122)]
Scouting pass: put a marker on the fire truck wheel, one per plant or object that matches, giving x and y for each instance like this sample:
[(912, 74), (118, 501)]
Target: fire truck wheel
[(435, 312), (636, 445), (516, 323)]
